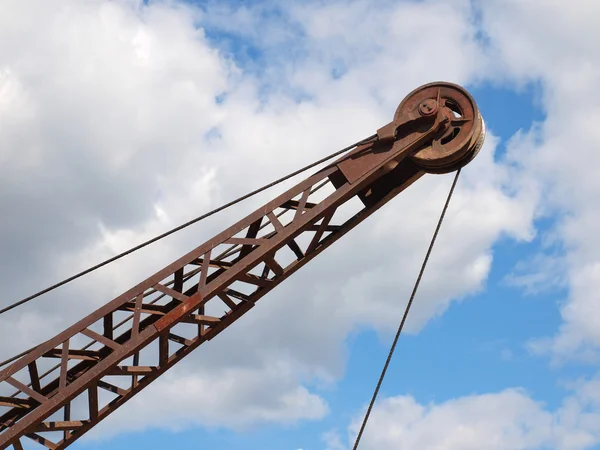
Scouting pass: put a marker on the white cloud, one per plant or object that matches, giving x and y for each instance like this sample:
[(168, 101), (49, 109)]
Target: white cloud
[(232, 397), (114, 135), (550, 43), (539, 274), (87, 122), (506, 420)]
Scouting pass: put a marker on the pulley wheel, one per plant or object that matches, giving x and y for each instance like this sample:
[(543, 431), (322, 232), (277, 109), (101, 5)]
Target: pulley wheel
[(463, 135)]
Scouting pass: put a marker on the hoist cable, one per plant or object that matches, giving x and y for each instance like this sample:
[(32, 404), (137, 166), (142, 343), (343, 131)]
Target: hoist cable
[(187, 224), (406, 311), (192, 273)]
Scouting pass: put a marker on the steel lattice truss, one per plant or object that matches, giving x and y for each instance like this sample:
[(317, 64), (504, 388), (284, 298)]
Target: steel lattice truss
[(60, 390)]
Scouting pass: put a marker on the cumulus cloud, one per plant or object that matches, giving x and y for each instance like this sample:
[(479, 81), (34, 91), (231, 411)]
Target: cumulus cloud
[(104, 111), (237, 398), (510, 419), (123, 119), (545, 43)]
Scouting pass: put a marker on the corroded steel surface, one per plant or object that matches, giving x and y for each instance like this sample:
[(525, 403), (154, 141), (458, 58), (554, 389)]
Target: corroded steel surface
[(112, 354)]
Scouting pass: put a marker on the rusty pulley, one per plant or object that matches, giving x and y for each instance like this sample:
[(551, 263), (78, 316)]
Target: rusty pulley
[(452, 115)]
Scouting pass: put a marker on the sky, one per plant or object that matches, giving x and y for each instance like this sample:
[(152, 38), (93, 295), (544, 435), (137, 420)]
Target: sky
[(122, 119)]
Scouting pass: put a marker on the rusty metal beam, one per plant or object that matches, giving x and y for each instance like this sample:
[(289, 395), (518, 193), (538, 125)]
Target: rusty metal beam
[(237, 268)]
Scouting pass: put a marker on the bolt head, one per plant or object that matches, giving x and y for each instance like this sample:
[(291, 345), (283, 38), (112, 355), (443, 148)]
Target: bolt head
[(428, 107)]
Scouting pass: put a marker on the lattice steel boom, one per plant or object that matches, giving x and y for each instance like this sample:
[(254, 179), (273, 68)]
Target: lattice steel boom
[(112, 354)]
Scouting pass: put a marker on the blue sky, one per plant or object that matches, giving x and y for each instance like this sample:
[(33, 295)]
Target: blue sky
[(159, 110)]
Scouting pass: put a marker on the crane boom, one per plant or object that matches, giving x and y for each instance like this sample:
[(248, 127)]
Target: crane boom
[(112, 354)]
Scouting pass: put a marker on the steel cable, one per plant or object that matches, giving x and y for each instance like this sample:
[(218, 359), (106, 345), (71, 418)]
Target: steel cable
[(221, 256), (174, 230), (406, 311), (185, 225)]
